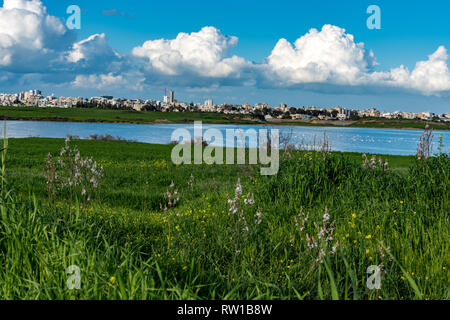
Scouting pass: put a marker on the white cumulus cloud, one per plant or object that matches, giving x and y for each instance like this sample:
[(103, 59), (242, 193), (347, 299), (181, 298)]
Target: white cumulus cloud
[(431, 77), (332, 57), (30, 39), (93, 54), (198, 54), (327, 56)]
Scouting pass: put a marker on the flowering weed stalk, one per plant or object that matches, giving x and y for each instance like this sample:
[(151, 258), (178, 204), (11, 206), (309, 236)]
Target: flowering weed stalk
[(374, 164), (425, 145), (239, 209), (171, 198), (3, 159), (319, 244), (80, 177)]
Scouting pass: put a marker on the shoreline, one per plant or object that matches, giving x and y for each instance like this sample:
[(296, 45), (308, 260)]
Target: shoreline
[(164, 121)]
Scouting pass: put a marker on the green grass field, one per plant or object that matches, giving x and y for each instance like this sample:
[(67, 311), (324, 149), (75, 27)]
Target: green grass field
[(144, 117), (114, 116), (128, 247)]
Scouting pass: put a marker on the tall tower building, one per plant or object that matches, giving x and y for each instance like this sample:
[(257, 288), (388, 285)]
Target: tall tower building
[(170, 98)]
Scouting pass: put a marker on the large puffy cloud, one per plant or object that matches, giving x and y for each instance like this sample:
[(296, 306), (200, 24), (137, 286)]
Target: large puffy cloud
[(203, 54), (430, 77), (93, 53), (28, 5), (329, 55), (30, 39)]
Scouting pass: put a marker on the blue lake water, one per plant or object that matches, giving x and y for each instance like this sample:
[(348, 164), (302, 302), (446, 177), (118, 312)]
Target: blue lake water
[(372, 141)]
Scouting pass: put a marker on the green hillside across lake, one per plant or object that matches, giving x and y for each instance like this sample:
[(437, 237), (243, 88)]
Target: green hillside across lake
[(149, 117)]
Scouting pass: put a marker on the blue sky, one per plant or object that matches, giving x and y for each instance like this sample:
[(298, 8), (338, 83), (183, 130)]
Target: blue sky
[(420, 26), (411, 31)]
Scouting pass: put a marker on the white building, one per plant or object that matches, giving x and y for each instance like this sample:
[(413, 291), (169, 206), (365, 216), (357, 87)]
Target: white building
[(343, 114), (170, 98), (209, 103)]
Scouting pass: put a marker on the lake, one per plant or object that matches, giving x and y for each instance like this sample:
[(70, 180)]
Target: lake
[(371, 141)]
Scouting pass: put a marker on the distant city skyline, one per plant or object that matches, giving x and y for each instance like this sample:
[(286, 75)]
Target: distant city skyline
[(237, 52), (35, 98)]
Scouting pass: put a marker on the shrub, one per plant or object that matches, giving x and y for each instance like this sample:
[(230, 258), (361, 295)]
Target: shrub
[(71, 173)]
